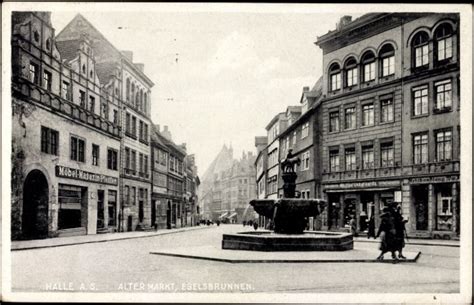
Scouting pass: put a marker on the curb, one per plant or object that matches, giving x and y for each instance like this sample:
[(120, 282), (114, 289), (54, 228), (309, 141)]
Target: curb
[(240, 261), (414, 243), (108, 240)]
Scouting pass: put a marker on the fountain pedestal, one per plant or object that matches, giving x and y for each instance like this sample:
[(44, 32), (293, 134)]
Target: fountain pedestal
[(289, 217)]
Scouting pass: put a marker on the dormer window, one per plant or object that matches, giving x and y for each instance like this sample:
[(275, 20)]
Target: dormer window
[(444, 42), (36, 36), (420, 49), (91, 74), (48, 44), (335, 77), (387, 58), (83, 69)]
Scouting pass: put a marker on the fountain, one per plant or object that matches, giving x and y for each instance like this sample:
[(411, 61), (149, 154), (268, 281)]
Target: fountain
[(288, 215)]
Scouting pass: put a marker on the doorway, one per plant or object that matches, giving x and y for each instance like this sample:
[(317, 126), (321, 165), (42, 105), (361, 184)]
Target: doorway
[(100, 210), (420, 200), (35, 206), (153, 213)]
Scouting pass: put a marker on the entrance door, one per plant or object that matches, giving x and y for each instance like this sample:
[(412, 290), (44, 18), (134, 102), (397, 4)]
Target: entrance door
[(420, 200), (112, 208), (35, 206), (168, 215), (153, 213), (333, 211), (349, 210), (100, 210)]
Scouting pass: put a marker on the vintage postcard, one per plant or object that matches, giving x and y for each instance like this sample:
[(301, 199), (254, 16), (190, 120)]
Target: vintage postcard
[(177, 152)]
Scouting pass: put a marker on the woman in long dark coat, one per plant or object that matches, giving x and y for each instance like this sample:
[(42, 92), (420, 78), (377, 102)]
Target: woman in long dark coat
[(387, 227)]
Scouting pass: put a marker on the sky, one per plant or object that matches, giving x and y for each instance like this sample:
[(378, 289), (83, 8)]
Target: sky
[(220, 77)]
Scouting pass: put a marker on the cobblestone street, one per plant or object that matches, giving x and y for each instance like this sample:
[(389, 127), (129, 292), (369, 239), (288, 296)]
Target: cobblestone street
[(127, 266)]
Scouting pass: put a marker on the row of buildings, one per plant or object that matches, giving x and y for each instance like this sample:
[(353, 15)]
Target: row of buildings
[(227, 187), (86, 157), (381, 125)]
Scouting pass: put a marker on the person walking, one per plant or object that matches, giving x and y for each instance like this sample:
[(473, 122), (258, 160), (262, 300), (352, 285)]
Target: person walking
[(387, 232), (353, 225), (400, 229), (371, 227)]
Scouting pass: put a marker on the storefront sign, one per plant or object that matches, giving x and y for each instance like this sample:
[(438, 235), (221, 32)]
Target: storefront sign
[(73, 173), (363, 185), (435, 179)]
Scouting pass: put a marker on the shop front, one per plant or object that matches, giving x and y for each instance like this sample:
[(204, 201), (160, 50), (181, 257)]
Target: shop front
[(433, 205), (359, 201), (86, 202)]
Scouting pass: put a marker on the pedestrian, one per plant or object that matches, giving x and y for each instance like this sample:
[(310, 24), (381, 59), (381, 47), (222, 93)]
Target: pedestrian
[(371, 227), (218, 222), (353, 225), (244, 223), (387, 233), (255, 226), (400, 231)]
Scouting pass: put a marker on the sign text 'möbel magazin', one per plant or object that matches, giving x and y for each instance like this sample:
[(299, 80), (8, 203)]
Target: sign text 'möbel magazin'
[(74, 173)]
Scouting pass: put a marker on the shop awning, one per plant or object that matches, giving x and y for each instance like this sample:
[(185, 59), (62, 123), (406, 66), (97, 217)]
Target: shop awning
[(360, 190), (224, 215), (232, 215)]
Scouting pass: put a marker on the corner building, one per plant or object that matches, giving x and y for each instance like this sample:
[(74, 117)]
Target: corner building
[(65, 136), (390, 120)]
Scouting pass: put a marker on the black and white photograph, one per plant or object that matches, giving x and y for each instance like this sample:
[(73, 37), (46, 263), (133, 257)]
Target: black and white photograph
[(257, 152)]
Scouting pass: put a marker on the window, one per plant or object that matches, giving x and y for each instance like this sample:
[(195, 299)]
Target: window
[(65, 90), (334, 121), (386, 154), (420, 148), (140, 163), (95, 155), (134, 126), (103, 111), (140, 130), (132, 95), (127, 194), (304, 130), (133, 162), (83, 68), (115, 117), (82, 97), (92, 104), (386, 110), (77, 149), (420, 49), (127, 90), (145, 133), (33, 73), (368, 66), (368, 157), (368, 115), (444, 42), (49, 141), (350, 158), (47, 80), (145, 165), (387, 56), (145, 96), (305, 160), (420, 100), (350, 118), (294, 137), (112, 159), (335, 77), (133, 195), (127, 123), (127, 158), (351, 72), (334, 160), (443, 145), (443, 95)]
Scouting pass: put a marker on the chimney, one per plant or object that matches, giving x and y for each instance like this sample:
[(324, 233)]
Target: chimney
[(166, 133), (260, 143), (183, 145), (140, 67), (345, 20), (305, 89), (157, 126), (128, 55)]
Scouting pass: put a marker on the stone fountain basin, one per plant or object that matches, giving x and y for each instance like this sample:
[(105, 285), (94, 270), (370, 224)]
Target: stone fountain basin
[(270, 241), (288, 206)]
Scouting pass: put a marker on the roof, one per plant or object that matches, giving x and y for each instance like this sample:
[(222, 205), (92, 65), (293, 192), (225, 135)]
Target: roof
[(80, 25), (105, 71), (68, 49), (273, 121), (156, 137)]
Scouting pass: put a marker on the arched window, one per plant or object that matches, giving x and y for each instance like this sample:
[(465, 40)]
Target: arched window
[(133, 95), (387, 59), (444, 42), (420, 49), (137, 98), (48, 44), (334, 77), (84, 68), (141, 100), (368, 66), (127, 89), (350, 68), (91, 74)]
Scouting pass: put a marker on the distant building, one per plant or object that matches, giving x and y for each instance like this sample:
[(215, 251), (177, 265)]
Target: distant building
[(227, 187)]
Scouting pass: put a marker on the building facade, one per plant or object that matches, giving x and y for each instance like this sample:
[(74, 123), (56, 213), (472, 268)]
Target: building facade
[(126, 82), (390, 117), (65, 139)]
